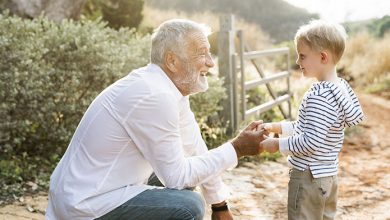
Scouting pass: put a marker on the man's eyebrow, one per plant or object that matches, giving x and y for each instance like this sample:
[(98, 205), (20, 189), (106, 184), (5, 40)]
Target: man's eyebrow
[(203, 49)]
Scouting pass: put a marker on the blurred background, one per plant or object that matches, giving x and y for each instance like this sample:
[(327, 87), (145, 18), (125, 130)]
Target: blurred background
[(58, 55)]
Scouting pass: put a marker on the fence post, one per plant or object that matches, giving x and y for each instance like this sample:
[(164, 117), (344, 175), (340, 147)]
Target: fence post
[(226, 51)]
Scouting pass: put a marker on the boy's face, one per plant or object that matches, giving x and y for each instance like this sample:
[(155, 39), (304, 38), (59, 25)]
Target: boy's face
[(309, 60)]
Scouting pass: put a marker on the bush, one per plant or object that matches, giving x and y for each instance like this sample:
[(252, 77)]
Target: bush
[(206, 109), (50, 73), (118, 13), (383, 26), (367, 59)]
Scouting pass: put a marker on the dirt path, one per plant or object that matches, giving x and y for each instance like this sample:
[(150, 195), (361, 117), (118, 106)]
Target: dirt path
[(260, 190)]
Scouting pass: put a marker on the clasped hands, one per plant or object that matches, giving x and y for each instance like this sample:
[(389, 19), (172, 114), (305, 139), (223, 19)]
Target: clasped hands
[(254, 139)]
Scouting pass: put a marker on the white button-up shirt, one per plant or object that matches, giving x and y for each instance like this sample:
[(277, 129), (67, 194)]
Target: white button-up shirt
[(139, 125)]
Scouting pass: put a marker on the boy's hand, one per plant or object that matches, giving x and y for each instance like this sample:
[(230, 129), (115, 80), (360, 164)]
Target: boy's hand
[(270, 145), (273, 127)]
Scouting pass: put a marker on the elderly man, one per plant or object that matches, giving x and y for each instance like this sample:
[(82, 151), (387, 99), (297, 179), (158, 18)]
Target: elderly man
[(142, 125)]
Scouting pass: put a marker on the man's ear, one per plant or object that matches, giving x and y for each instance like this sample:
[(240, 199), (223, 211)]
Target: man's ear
[(324, 56), (171, 61)]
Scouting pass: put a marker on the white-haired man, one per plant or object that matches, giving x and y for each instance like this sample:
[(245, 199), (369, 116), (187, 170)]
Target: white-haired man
[(143, 125)]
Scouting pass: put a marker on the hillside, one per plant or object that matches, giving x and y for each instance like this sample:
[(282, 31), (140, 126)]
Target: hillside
[(377, 27), (278, 18)]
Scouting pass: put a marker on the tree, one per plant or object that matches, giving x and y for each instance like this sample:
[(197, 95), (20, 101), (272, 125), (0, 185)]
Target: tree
[(118, 13), (123, 13), (55, 10), (383, 26)]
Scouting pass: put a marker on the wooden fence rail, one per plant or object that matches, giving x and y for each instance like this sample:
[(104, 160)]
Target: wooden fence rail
[(235, 107)]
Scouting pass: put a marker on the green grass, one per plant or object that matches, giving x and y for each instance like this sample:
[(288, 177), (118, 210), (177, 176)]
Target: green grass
[(381, 88)]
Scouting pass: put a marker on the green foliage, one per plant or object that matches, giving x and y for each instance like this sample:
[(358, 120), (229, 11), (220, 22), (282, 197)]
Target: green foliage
[(380, 87), (258, 96), (377, 27), (2, 5), (50, 73), (353, 131), (118, 13), (281, 60), (123, 13), (383, 26), (206, 107)]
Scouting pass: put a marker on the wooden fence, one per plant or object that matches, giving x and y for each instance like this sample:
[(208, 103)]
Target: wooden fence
[(232, 66)]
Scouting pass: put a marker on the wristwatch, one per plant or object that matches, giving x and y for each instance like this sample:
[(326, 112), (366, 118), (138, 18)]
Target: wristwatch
[(221, 208)]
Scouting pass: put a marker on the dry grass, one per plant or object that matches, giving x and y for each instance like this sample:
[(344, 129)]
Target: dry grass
[(255, 37), (367, 58)]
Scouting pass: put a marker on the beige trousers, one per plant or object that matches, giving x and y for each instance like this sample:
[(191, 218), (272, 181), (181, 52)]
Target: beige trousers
[(311, 199)]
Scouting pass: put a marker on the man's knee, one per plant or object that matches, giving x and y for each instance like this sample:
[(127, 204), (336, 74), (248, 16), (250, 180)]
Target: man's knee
[(194, 204)]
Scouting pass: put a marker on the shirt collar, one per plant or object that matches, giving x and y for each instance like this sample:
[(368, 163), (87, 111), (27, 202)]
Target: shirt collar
[(157, 69)]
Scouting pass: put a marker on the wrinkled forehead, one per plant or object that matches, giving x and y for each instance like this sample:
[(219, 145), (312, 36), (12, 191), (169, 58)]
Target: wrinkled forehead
[(196, 40)]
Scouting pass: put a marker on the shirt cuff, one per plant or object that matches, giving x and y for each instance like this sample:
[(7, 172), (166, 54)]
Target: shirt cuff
[(230, 155), (287, 128), (218, 196), (283, 146)]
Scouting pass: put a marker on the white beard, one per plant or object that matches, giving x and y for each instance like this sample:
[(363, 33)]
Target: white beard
[(202, 84), (193, 82)]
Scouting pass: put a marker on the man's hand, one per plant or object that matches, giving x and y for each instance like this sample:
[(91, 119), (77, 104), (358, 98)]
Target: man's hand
[(270, 145), (248, 141), (222, 215)]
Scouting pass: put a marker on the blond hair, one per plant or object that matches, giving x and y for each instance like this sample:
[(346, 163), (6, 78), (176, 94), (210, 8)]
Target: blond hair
[(321, 35)]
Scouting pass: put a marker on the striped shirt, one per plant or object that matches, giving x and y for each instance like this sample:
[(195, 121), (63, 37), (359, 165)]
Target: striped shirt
[(316, 137)]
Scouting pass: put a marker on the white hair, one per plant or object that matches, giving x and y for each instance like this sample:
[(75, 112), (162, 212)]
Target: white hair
[(171, 36)]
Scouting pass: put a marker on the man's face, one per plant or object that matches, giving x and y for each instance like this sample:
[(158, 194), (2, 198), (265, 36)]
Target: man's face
[(194, 65)]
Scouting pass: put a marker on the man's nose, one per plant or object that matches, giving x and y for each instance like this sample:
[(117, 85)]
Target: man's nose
[(297, 61), (209, 61)]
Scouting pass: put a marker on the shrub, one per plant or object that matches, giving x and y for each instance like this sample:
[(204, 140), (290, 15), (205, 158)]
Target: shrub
[(118, 13), (206, 109), (50, 73)]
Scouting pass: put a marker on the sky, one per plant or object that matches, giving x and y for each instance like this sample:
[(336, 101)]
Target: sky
[(345, 10)]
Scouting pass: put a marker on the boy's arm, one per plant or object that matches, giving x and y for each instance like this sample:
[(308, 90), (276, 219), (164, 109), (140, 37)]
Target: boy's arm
[(287, 128), (320, 116), (270, 145), (283, 128)]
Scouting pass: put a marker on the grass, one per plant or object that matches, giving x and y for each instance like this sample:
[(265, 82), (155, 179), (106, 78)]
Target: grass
[(367, 61), (254, 35), (381, 87)]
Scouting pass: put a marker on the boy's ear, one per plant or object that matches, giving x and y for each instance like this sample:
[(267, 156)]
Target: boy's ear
[(324, 57)]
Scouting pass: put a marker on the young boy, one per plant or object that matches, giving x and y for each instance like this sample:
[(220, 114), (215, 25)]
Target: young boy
[(314, 140)]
